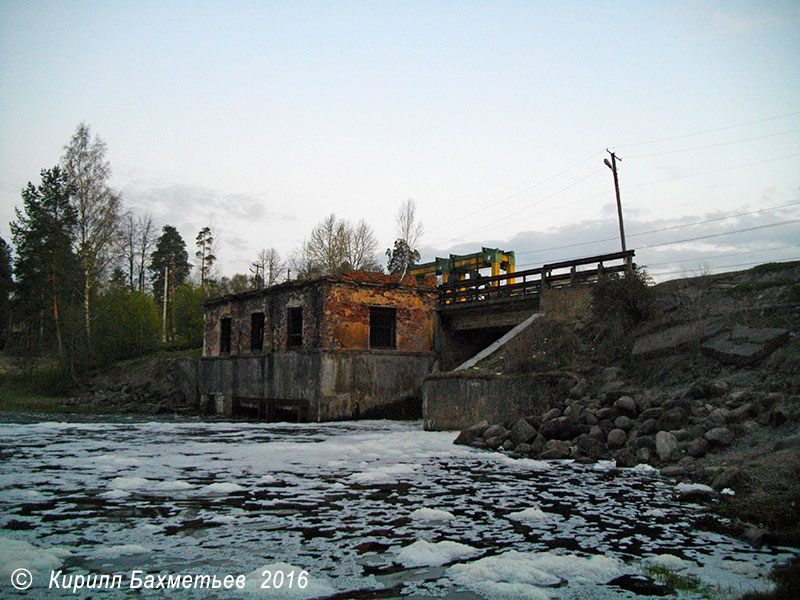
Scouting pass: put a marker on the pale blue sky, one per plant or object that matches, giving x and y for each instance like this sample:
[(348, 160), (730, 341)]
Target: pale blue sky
[(263, 117)]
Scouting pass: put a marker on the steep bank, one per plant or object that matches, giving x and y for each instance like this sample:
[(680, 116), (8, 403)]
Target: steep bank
[(706, 388)]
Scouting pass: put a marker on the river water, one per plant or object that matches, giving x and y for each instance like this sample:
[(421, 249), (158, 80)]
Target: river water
[(368, 509)]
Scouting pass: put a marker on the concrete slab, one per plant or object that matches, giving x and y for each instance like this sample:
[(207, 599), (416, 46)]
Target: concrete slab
[(675, 337), (745, 345), (495, 346)]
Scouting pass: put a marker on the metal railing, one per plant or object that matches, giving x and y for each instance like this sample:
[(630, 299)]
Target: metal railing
[(532, 281)]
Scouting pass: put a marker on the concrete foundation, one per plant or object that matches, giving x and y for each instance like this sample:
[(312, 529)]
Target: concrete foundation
[(454, 402), (315, 385)]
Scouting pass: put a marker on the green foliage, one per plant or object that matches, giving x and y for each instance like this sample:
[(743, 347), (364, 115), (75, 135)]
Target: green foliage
[(170, 254), (401, 257), (677, 581), (6, 285), (126, 325), (189, 316), (623, 297), (46, 269)]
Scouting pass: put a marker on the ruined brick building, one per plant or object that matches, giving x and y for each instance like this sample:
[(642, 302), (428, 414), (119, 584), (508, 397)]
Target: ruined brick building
[(323, 349)]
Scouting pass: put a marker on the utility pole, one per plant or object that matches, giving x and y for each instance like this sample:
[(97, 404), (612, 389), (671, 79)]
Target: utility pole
[(164, 309), (613, 166)]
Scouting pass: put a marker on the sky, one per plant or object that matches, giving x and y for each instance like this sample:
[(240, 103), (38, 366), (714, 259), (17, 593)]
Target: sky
[(262, 118)]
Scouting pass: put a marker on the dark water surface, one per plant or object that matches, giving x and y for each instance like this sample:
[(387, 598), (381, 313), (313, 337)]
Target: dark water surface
[(371, 509)]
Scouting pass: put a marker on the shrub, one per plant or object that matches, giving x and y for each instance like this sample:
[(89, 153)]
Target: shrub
[(626, 297)]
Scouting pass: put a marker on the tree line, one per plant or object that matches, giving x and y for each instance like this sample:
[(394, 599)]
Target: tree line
[(89, 282)]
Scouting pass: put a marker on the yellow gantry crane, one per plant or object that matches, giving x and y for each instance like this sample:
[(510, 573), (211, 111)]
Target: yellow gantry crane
[(467, 266)]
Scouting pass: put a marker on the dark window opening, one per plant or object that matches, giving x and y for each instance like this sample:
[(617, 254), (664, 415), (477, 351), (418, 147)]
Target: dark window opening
[(382, 325), (225, 335), (294, 325), (256, 332)]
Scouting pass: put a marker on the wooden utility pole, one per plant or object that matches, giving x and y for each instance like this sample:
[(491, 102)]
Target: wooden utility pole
[(613, 166), (164, 310)]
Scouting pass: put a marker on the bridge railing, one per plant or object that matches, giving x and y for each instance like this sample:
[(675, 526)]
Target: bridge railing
[(532, 281)]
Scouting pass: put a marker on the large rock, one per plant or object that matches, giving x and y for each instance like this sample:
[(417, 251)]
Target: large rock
[(745, 345), (561, 428), (579, 389), (555, 449), (720, 436), (553, 413), (623, 422), (494, 431), (470, 434), (616, 438), (626, 406), (666, 445), (522, 432), (674, 418), (589, 446), (697, 447)]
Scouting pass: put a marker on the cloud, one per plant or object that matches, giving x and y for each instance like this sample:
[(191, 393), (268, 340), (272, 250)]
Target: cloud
[(733, 23), (714, 241)]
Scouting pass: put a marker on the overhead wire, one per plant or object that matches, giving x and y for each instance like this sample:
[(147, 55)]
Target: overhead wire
[(715, 130), (730, 143)]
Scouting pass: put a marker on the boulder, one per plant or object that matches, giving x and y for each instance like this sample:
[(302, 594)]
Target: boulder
[(674, 418), (648, 426), (737, 415), (624, 423), (508, 445), (616, 438), (667, 340), (597, 433), (697, 447), (589, 446), (555, 449), (666, 445), (626, 406), (720, 436), (470, 434), (494, 442), (494, 431), (729, 478), (561, 428), (522, 449), (644, 455), (553, 413), (579, 389), (522, 432), (695, 492)]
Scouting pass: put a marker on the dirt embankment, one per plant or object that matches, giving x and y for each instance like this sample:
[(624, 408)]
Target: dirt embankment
[(707, 389)]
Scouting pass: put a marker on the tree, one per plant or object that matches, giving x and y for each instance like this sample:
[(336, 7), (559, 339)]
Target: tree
[(409, 231), (6, 284), (205, 253), (126, 324), (336, 246), (97, 209), (189, 315), (401, 257), (362, 248), (144, 245), (169, 263), (268, 267), (45, 264)]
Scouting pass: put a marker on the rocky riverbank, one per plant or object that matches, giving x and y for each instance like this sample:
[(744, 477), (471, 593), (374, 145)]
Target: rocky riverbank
[(706, 389)]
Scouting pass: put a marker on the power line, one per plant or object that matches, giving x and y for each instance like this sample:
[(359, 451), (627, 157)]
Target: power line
[(518, 193), (749, 264), (683, 226), (685, 135), (760, 137), (714, 235), (722, 255)]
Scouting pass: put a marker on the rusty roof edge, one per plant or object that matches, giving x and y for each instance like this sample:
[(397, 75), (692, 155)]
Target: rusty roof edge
[(296, 283)]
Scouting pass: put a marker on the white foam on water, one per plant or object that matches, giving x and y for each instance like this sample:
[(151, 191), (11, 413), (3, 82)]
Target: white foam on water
[(115, 494), (644, 468), (173, 485), (119, 550), (685, 488), (605, 465), (534, 514), (19, 554), (431, 514), (384, 474), (526, 463), (130, 483), (222, 487), (531, 574), (666, 561), (433, 554)]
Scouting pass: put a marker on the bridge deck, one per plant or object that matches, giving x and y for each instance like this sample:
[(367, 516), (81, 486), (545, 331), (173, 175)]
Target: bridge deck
[(529, 283)]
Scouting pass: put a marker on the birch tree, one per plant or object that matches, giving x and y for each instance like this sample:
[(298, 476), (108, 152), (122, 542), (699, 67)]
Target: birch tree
[(409, 231), (97, 207)]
